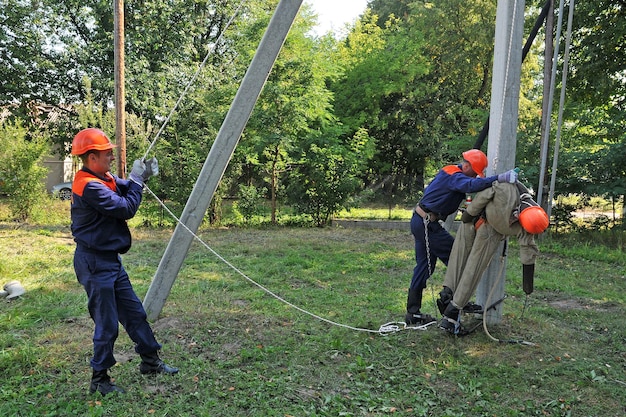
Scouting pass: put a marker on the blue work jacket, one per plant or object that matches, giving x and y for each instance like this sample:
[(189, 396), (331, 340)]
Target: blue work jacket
[(448, 189), (100, 208)]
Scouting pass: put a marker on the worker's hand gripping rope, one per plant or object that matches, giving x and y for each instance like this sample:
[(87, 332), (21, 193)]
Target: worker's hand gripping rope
[(143, 169)]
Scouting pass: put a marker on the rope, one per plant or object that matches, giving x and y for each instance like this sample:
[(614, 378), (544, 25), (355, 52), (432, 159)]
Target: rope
[(384, 329), (525, 306), (191, 81)]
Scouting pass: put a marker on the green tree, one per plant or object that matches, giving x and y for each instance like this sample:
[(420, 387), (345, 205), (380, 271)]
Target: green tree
[(249, 201), (380, 66), (294, 104), (422, 72), (593, 136), (21, 171), (327, 174), (597, 59), (51, 47)]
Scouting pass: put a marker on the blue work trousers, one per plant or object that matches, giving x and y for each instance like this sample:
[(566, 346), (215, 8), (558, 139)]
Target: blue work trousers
[(112, 300), (439, 247)]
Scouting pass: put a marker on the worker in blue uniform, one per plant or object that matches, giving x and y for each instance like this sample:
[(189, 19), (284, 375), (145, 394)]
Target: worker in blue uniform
[(442, 197), (101, 205)]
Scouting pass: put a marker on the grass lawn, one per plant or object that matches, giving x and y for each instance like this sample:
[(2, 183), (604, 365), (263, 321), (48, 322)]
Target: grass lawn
[(244, 352)]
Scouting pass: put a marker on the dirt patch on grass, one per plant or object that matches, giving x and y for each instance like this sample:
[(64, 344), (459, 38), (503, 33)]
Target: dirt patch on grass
[(166, 323), (577, 304)]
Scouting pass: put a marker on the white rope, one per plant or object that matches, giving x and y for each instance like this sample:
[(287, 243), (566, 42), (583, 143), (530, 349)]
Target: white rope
[(191, 81), (384, 329)]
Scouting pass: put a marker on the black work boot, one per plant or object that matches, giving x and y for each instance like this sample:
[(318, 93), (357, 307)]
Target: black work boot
[(152, 364), (451, 321), (101, 382), (413, 305), (445, 296)]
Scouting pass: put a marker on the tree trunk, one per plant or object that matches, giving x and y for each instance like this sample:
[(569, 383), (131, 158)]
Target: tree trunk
[(274, 182)]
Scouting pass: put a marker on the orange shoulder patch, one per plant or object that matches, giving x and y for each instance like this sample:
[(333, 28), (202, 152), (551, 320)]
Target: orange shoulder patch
[(82, 178), (451, 169)]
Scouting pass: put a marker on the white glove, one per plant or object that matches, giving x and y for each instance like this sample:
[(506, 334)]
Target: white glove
[(143, 169), (136, 174), (152, 168), (509, 176)]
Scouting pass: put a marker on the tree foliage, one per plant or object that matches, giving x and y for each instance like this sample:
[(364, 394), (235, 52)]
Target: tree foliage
[(409, 83), (21, 172), (417, 78), (594, 121), (294, 103), (598, 63), (327, 175)]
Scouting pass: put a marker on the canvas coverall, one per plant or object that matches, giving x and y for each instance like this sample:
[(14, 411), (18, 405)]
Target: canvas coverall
[(442, 197), (100, 208), (475, 246)]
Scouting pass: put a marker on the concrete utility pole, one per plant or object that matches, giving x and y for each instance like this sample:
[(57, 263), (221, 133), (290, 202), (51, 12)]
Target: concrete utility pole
[(547, 116), (557, 141), (503, 117), (120, 101), (220, 154), (546, 108)]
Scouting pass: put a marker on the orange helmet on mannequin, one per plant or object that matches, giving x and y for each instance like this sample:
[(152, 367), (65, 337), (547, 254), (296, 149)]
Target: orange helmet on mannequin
[(477, 160), (534, 220), (90, 139)]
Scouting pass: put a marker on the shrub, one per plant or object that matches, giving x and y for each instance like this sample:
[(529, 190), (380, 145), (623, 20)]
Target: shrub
[(249, 203), (21, 169)]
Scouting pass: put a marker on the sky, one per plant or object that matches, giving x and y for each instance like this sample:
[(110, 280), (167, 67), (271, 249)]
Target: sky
[(334, 14)]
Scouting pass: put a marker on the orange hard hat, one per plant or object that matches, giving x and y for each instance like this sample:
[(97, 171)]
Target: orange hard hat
[(477, 160), (534, 220), (90, 139)]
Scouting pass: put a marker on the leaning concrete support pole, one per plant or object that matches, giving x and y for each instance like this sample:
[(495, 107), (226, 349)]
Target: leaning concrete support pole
[(503, 127), (220, 154)]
